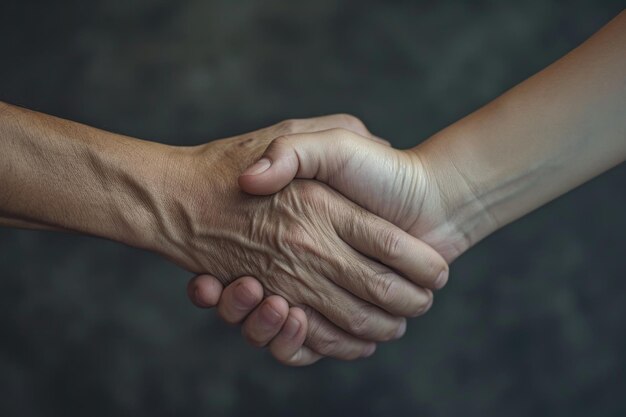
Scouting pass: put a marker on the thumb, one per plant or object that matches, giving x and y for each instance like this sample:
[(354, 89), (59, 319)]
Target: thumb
[(305, 155)]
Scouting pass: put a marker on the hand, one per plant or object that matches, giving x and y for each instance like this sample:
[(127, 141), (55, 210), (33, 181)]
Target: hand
[(299, 243), (497, 164), (268, 321), (397, 185), (355, 166)]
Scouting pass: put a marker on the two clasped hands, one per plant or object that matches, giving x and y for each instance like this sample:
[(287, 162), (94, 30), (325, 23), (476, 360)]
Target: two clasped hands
[(319, 237), (366, 231), (343, 244)]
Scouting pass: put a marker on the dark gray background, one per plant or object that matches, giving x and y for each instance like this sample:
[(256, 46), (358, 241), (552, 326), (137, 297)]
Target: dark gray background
[(531, 323)]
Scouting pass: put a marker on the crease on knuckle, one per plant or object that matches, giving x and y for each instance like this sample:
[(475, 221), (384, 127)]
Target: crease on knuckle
[(385, 289), (326, 341), (360, 322), (391, 245), (288, 126), (323, 341), (310, 194), (339, 134), (281, 141)]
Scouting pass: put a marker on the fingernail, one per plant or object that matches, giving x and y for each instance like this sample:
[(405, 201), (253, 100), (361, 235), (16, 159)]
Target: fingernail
[(401, 330), (270, 315), (442, 279), (261, 166), (244, 299), (369, 351), (291, 328)]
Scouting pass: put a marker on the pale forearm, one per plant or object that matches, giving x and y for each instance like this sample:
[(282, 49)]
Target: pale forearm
[(544, 137), (62, 175)]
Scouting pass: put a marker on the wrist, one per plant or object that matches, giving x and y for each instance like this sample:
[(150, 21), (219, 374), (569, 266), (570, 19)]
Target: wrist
[(136, 181), (165, 193), (458, 219), (188, 191)]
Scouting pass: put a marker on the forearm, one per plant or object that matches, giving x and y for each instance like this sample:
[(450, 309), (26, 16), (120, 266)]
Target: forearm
[(544, 137), (24, 224), (61, 175)]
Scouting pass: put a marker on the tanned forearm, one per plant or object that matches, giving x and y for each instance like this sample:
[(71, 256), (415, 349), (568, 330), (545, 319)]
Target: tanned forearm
[(61, 175)]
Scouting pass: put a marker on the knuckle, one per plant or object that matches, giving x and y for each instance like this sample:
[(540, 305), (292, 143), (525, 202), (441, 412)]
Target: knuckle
[(328, 341), (352, 122), (346, 142), (385, 290), (280, 141), (300, 241), (300, 197), (340, 134), (328, 345), (391, 245), (325, 342), (360, 323), (310, 192), (288, 126)]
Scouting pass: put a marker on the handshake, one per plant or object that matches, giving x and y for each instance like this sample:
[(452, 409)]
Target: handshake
[(356, 244), (318, 236)]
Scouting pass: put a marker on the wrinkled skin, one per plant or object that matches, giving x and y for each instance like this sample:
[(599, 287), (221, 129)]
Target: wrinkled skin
[(306, 243), (395, 184)]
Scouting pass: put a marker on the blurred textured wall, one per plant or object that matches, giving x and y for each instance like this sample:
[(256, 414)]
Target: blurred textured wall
[(531, 323)]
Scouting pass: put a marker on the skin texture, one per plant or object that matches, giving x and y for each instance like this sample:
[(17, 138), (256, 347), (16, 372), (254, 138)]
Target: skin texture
[(551, 133), (352, 275)]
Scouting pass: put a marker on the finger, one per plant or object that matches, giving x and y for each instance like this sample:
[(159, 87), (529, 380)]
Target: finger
[(204, 290), (265, 321), (322, 156), (340, 121), (357, 317), (362, 280), (332, 121), (326, 339), (381, 240), (288, 346), (239, 299), (385, 288)]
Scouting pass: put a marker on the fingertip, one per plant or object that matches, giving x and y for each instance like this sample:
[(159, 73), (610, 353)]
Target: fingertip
[(298, 314), (369, 350), (266, 321), (278, 166), (204, 291), (442, 279), (271, 181), (288, 346), (239, 299), (279, 310), (258, 167), (255, 184), (247, 292)]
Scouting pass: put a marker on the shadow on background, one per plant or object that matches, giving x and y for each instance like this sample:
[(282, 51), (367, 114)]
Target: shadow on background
[(531, 323)]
